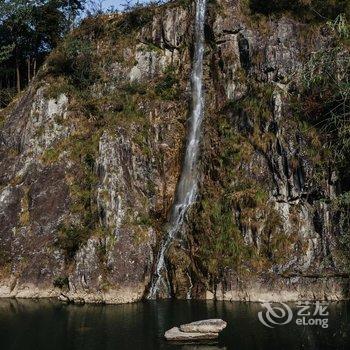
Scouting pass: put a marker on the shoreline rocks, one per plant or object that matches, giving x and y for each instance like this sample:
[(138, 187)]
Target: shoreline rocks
[(195, 331)]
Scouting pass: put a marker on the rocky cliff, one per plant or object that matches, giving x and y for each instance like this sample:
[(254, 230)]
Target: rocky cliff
[(91, 153)]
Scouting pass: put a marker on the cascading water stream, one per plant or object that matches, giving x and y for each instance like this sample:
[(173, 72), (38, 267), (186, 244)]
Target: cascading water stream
[(187, 185)]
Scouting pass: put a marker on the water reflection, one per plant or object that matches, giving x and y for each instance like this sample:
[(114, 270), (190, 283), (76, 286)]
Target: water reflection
[(47, 324)]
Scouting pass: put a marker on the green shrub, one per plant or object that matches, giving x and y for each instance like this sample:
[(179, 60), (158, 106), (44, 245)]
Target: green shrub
[(308, 9), (4, 256), (271, 6), (61, 282), (145, 220), (70, 239), (134, 88), (324, 103), (218, 238), (57, 87), (135, 17), (50, 156), (168, 87), (73, 59), (6, 96), (341, 206)]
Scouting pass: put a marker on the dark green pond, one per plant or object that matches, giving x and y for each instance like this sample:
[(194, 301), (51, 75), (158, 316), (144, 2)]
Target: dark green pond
[(35, 325)]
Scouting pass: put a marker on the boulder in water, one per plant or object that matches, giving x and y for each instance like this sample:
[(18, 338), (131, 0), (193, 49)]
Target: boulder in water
[(176, 334), (214, 325), (199, 330)]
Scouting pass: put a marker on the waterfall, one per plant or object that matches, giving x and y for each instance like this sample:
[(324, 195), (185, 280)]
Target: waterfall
[(187, 186)]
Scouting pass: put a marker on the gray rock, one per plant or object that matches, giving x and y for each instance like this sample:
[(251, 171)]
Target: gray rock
[(176, 334), (204, 326)]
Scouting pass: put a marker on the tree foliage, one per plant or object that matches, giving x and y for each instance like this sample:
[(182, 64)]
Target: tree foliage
[(29, 29)]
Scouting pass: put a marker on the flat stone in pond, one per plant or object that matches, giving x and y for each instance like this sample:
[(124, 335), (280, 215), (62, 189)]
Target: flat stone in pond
[(214, 325), (175, 334)]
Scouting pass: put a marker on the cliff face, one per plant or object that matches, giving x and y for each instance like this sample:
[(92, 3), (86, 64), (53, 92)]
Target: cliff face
[(91, 154)]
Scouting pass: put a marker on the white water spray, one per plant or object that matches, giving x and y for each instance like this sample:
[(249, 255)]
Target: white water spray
[(187, 186)]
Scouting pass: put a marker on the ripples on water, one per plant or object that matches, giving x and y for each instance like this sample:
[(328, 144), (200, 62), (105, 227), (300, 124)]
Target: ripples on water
[(36, 325)]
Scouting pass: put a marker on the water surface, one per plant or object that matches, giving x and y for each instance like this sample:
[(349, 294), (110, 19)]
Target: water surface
[(36, 325)]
